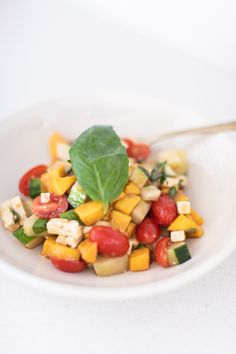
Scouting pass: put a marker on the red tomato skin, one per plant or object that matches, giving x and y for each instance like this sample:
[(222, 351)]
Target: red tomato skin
[(111, 243), (139, 152), (164, 210), (68, 266), (160, 251), (148, 231), (52, 209), (34, 172), (128, 142)]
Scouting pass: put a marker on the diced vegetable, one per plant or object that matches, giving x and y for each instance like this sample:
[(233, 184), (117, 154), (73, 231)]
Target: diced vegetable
[(150, 193), (181, 197), (132, 188), (47, 177), (69, 266), (107, 266), (70, 215), (196, 217), (140, 211), (56, 139), (34, 187), (128, 203), (88, 251), (198, 232), (28, 204), (139, 259), (184, 223), (120, 221), (28, 242), (130, 229), (52, 209), (90, 212), (178, 253), (77, 196), (29, 226), (139, 177), (60, 185), (53, 249), (40, 226), (175, 158), (35, 172), (121, 196)]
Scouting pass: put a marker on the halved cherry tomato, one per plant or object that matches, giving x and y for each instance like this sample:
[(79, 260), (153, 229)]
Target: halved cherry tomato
[(68, 265), (161, 251), (148, 231), (128, 143), (110, 242), (34, 172), (139, 152), (164, 210), (52, 209)]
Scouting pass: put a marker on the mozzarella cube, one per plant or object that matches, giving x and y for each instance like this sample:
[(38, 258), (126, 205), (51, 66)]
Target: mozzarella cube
[(184, 207), (62, 240), (151, 193), (45, 197), (177, 236), (7, 216), (63, 151), (17, 206), (70, 229)]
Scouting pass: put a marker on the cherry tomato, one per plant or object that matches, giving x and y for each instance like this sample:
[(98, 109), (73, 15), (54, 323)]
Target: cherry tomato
[(68, 265), (110, 242), (128, 143), (52, 209), (148, 231), (164, 210), (139, 152), (34, 172), (161, 251)]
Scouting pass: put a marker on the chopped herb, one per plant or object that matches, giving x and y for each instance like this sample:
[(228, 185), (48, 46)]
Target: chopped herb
[(172, 192), (158, 173), (145, 171), (16, 216)]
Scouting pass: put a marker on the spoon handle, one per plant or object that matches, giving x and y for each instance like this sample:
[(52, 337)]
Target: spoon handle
[(210, 129)]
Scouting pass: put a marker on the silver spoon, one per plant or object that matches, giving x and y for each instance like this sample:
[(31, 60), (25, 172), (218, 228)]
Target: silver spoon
[(209, 129)]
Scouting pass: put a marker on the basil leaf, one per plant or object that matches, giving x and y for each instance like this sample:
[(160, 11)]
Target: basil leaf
[(100, 163)]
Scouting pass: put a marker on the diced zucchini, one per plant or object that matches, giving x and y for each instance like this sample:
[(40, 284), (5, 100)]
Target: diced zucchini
[(140, 211), (150, 193), (70, 215), (106, 266), (139, 177), (28, 226), (29, 242), (34, 187), (77, 196), (178, 253), (40, 226)]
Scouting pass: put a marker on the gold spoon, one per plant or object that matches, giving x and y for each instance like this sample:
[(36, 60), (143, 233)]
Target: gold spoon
[(209, 129)]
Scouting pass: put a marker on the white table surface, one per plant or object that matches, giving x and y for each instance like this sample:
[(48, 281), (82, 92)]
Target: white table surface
[(50, 49)]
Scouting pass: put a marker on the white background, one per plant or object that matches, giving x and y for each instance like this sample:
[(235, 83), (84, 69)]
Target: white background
[(62, 48)]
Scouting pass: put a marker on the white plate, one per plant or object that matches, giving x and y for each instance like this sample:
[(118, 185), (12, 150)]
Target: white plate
[(23, 144)]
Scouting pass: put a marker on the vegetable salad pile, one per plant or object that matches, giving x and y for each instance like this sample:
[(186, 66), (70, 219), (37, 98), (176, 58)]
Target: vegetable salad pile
[(103, 204)]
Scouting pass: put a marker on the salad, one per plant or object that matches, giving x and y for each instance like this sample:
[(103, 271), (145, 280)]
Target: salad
[(103, 203)]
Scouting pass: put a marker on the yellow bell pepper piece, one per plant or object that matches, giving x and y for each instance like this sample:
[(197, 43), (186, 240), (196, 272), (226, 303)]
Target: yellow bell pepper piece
[(132, 188), (196, 217), (90, 212), (55, 139), (60, 185), (139, 259), (181, 197), (53, 249), (47, 177), (120, 221), (130, 230), (184, 223), (89, 251), (128, 203), (197, 233)]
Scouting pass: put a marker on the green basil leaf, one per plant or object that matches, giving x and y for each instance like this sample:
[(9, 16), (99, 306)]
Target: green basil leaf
[(100, 163)]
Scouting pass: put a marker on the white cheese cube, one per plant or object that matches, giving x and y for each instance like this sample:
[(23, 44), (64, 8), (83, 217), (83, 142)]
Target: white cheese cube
[(17, 206), (184, 207), (45, 197), (151, 193), (67, 228), (7, 216), (63, 151), (62, 240), (177, 236)]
